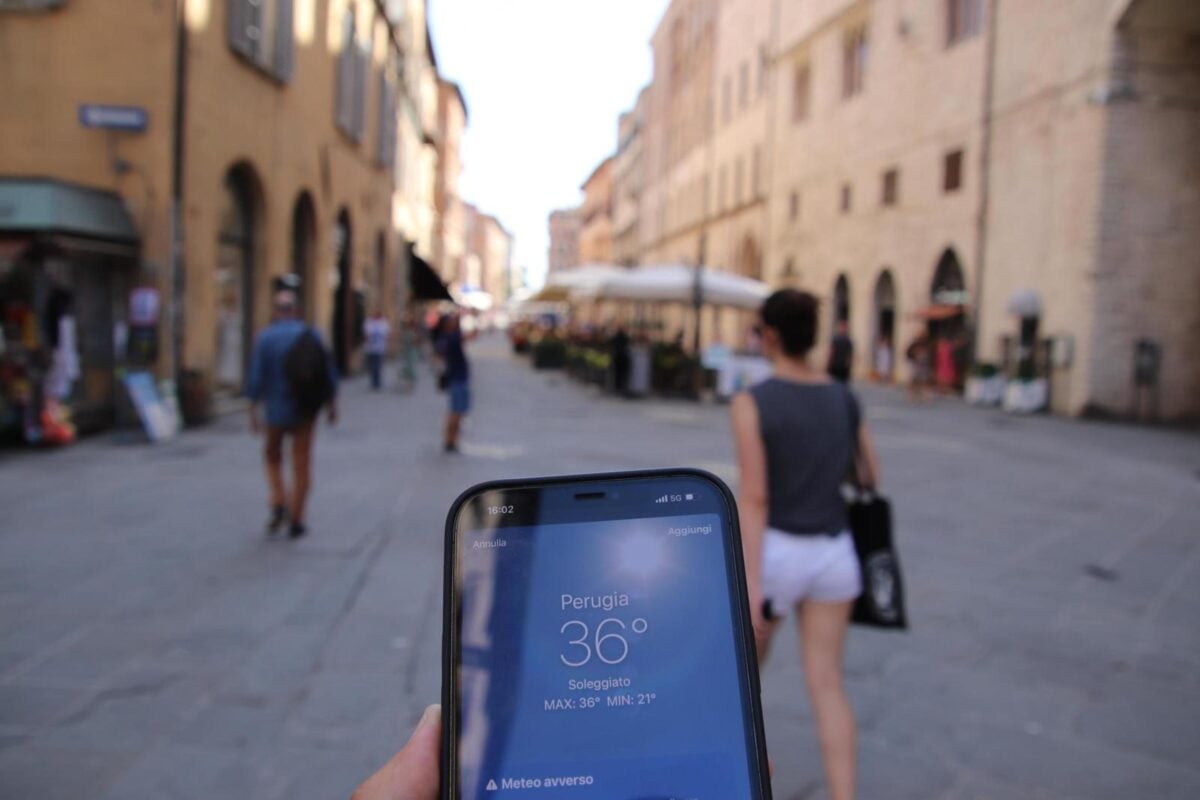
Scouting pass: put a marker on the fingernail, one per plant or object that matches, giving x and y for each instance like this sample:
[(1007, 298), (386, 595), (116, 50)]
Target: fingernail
[(432, 714)]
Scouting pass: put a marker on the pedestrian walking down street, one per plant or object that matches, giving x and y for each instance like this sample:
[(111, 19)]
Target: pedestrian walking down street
[(884, 359), (376, 331), (841, 353), (920, 367), (411, 340), (293, 375), (797, 435), (620, 361), (455, 377)]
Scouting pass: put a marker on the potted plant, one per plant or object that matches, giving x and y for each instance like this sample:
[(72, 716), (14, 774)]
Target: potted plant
[(1026, 393), (550, 352), (985, 385)]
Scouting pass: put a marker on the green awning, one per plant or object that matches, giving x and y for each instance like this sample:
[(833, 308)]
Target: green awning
[(47, 206)]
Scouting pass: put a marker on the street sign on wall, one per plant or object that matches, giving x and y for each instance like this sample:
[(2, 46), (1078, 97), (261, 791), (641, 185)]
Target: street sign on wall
[(117, 118)]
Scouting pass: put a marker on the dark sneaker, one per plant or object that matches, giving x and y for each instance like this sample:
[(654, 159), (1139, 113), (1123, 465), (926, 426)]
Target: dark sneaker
[(297, 530), (276, 520), (451, 448)]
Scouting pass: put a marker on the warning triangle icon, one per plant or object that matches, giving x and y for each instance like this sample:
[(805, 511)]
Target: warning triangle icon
[(491, 787)]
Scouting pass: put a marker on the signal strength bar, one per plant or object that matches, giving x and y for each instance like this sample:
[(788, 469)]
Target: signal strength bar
[(664, 499)]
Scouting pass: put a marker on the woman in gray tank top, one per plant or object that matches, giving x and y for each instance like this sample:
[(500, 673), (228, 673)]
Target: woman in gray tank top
[(798, 435)]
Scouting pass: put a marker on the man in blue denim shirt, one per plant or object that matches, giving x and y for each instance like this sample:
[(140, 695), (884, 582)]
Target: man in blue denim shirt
[(268, 385)]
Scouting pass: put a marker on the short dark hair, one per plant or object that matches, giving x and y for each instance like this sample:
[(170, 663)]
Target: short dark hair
[(793, 315)]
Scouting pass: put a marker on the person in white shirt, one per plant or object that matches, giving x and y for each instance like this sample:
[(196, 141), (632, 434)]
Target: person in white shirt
[(376, 331)]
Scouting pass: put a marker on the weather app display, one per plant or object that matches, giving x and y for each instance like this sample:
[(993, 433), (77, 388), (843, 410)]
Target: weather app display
[(598, 661)]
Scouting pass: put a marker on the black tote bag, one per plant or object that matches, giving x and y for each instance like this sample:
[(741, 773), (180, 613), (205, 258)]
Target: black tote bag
[(881, 604)]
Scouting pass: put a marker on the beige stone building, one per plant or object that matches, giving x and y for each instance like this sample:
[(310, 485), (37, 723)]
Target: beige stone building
[(876, 182), (275, 134), (449, 251), (1093, 199), (487, 254), (628, 175), (413, 196), (596, 231), (735, 223), (565, 224), (692, 152), (1017, 169), (1014, 177), (497, 261), (678, 137), (736, 210)]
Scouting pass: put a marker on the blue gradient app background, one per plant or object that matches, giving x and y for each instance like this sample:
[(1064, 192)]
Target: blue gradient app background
[(684, 736)]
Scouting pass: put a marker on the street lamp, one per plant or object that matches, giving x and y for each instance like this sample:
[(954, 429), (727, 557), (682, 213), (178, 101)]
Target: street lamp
[(698, 307)]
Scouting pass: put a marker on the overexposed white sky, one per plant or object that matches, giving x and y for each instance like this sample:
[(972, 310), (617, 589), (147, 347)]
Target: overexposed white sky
[(545, 81)]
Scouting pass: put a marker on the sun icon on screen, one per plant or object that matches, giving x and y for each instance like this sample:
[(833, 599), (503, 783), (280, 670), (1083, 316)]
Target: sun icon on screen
[(641, 554)]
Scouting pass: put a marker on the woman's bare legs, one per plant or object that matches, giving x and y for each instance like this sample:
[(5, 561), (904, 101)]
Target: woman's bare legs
[(823, 643)]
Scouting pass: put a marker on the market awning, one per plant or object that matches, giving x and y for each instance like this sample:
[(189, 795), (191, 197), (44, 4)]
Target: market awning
[(936, 312), (551, 294), (66, 211), (424, 281)]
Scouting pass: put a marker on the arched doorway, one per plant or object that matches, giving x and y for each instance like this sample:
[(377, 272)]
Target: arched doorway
[(885, 325), (841, 300), (237, 238), (343, 238), (947, 321), (303, 245), (949, 288)]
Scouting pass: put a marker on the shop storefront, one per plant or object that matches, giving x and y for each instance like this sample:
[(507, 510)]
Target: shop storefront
[(68, 258)]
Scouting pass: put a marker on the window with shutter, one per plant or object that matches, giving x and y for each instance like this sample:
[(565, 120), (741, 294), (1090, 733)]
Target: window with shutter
[(344, 100), (385, 122), (255, 22), (238, 18), (359, 93), (30, 5), (284, 39), (260, 31)]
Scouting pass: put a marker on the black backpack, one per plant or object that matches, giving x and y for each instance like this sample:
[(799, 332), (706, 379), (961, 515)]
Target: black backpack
[(307, 370)]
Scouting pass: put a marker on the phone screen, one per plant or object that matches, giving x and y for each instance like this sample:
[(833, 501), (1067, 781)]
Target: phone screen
[(599, 649)]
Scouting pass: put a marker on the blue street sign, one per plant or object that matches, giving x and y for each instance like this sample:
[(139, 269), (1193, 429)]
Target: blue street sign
[(118, 118)]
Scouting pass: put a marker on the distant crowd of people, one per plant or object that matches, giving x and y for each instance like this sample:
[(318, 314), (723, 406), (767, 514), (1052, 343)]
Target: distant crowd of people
[(936, 363)]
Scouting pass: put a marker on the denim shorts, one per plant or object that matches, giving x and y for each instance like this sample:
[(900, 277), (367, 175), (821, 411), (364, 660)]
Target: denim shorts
[(460, 397)]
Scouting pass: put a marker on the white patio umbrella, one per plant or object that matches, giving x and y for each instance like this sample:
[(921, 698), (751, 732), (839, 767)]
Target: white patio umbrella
[(475, 298), (676, 283), (568, 284)]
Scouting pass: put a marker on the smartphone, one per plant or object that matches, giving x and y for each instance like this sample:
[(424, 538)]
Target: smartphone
[(597, 642)]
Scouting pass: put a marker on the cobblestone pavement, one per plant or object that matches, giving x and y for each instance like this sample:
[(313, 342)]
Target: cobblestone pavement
[(153, 644)]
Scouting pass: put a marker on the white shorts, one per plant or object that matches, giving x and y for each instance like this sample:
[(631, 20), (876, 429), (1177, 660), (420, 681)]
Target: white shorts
[(821, 568)]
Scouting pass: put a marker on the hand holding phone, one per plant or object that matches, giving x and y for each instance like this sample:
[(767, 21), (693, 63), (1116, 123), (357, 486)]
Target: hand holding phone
[(597, 642)]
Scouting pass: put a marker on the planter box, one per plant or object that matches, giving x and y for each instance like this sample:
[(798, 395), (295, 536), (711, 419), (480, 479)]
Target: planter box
[(985, 391), (1026, 397)]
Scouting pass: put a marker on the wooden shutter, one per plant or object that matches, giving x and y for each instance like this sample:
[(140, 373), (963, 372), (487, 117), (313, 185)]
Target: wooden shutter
[(238, 12), (344, 99), (254, 28), (359, 93), (386, 152), (284, 40)]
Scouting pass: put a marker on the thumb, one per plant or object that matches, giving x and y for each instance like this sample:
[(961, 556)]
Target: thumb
[(413, 773)]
